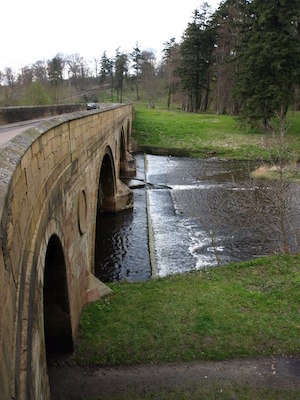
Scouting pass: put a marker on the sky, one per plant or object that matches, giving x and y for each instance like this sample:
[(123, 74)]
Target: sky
[(33, 30)]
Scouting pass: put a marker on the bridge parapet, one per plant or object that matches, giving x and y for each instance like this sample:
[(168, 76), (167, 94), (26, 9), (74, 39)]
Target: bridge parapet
[(54, 180), (9, 115)]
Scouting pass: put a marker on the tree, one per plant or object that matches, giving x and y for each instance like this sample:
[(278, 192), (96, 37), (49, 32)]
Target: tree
[(274, 194), (75, 65), (269, 60), (55, 69), (107, 70), (171, 59), (137, 60), (9, 83), (39, 69), (196, 52), (36, 94), (226, 22), (121, 62), (26, 76), (2, 91), (148, 75), (96, 61), (9, 77)]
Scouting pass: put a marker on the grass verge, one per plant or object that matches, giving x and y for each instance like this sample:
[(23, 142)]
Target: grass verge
[(241, 310), (205, 135)]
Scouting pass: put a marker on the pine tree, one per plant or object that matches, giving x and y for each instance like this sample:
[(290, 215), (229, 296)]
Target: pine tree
[(227, 24), (121, 61), (196, 52), (107, 70), (55, 69), (269, 59)]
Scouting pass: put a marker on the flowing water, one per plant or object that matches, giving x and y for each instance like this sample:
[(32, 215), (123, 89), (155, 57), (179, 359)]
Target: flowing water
[(189, 214)]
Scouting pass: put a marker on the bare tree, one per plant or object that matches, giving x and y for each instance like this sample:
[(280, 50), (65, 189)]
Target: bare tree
[(96, 61), (279, 194), (148, 75), (10, 78), (172, 61), (40, 71), (25, 78), (74, 62)]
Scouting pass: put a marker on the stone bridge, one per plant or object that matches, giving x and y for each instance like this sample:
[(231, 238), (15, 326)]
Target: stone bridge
[(54, 180)]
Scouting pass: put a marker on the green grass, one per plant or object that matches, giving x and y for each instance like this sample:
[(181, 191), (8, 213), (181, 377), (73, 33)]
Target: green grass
[(242, 310), (205, 392), (205, 135)]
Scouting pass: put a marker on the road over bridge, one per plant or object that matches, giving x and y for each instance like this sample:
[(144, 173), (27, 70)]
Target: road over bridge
[(55, 178)]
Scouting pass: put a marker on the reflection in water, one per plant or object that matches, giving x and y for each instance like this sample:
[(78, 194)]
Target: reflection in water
[(123, 243), (122, 240), (191, 201)]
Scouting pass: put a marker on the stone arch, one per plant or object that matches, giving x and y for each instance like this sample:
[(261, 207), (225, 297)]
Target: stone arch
[(57, 320), (127, 166), (48, 308), (106, 184), (105, 200)]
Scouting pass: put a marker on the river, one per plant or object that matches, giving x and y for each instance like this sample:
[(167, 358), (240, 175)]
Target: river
[(189, 214)]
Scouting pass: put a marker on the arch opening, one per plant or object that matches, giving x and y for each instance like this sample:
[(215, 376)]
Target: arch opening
[(106, 191), (57, 320), (106, 187)]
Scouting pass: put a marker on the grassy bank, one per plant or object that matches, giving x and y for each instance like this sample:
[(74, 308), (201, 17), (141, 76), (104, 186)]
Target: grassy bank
[(205, 135), (242, 310)]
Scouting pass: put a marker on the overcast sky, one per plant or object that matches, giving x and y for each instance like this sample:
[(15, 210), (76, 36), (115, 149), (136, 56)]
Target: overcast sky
[(33, 30)]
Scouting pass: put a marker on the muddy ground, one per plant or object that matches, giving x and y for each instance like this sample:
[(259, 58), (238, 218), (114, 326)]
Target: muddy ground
[(78, 383)]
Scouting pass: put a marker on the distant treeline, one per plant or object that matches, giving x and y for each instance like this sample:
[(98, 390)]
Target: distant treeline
[(242, 59)]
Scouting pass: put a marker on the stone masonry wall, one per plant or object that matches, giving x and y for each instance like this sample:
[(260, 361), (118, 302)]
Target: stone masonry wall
[(10, 115), (49, 180)]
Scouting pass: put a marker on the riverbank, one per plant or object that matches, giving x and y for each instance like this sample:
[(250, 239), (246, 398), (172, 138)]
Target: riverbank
[(289, 172), (228, 319), (236, 324), (207, 135), (244, 310)]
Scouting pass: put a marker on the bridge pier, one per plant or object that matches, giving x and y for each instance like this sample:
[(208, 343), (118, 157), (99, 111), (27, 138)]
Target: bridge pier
[(95, 288), (122, 200), (128, 166)]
